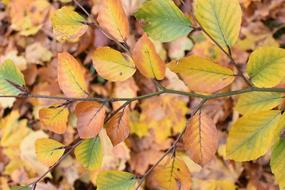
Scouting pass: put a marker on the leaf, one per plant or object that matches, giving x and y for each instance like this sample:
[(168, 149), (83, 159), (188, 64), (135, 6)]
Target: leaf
[(254, 102), (118, 128), (163, 20), (147, 60), (54, 118), (113, 19), (113, 65), (48, 151), (201, 139), (266, 66), (221, 19), (90, 119), (115, 180), (71, 76), (194, 70), (218, 185), (277, 162), (174, 175), (11, 79), (90, 153), (68, 25), (21, 188), (246, 140)]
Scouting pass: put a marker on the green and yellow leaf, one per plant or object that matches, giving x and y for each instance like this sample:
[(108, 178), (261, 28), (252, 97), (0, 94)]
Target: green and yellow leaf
[(48, 151), (221, 19), (115, 180), (68, 25), (252, 135), (113, 19), (277, 162), (254, 102), (147, 59), (71, 76), (218, 185), (174, 175), (90, 153), (163, 20), (201, 139), (54, 118), (266, 66), (90, 119), (202, 75), (113, 65), (11, 79)]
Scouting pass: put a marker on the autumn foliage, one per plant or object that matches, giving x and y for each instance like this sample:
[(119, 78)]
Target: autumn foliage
[(142, 94)]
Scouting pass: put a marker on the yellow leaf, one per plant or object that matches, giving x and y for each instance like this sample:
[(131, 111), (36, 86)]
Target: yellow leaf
[(48, 151), (13, 130), (218, 185), (252, 135), (220, 18), (113, 65), (201, 74), (113, 19), (201, 139), (71, 76), (277, 162), (147, 60), (68, 25), (266, 66), (115, 180), (54, 118), (118, 128), (258, 101), (90, 119), (174, 175)]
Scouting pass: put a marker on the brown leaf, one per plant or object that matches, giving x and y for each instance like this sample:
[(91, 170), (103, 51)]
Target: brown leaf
[(201, 139), (90, 119), (118, 128)]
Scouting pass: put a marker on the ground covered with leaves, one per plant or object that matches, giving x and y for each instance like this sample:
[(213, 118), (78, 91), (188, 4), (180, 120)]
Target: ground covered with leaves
[(89, 123)]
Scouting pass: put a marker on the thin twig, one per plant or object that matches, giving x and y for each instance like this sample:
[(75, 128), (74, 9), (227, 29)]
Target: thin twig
[(173, 147)]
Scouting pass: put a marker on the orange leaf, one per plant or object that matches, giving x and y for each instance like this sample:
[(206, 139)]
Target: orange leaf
[(54, 118), (118, 128), (71, 76), (113, 19), (90, 119), (201, 139), (147, 59)]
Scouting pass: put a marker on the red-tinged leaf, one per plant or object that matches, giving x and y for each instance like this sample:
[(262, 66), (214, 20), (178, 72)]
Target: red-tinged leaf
[(90, 119), (54, 118), (118, 128), (201, 139), (113, 19), (147, 59), (71, 76)]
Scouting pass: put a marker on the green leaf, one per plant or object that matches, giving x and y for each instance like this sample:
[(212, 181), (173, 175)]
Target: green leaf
[(277, 162), (221, 19), (90, 153), (115, 180), (68, 25), (266, 66), (10, 77), (258, 101), (163, 20), (21, 188), (252, 135)]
